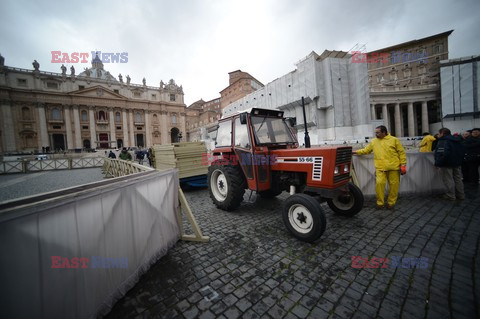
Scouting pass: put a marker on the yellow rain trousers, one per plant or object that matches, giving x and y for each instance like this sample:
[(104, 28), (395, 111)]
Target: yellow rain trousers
[(388, 155), (393, 178)]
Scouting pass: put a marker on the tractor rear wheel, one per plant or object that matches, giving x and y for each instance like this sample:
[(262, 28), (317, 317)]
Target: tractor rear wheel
[(347, 203), (304, 217), (226, 185)]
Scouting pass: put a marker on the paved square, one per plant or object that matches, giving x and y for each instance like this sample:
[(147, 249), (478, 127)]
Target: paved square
[(253, 268)]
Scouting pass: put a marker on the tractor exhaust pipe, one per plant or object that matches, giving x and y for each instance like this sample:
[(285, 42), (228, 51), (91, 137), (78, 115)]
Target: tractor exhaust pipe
[(307, 138)]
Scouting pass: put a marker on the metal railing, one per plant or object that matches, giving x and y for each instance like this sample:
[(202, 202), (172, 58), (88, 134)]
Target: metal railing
[(28, 166)]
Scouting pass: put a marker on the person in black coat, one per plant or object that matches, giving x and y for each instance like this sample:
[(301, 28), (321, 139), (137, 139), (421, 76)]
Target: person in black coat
[(112, 155), (472, 156), (449, 155)]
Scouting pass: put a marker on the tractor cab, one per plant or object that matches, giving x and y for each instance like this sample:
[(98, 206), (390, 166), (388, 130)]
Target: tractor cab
[(258, 150)]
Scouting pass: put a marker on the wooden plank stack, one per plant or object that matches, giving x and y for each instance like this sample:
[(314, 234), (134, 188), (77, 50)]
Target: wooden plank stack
[(187, 157)]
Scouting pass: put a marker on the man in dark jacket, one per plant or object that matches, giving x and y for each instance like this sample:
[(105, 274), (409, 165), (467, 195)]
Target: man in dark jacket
[(472, 156), (449, 155)]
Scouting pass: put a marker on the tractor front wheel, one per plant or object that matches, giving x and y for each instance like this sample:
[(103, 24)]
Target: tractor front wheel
[(347, 203), (226, 185), (304, 217)]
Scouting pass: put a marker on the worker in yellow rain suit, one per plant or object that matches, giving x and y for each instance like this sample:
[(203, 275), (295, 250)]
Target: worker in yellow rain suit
[(390, 161), (426, 143)]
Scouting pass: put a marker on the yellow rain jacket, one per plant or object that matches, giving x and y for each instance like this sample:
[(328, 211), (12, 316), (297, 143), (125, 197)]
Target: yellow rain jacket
[(388, 153), (426, 143)]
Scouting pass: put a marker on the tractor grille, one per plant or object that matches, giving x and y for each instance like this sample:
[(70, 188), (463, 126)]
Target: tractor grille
[(344, 155), (339, 178), (317, 168)]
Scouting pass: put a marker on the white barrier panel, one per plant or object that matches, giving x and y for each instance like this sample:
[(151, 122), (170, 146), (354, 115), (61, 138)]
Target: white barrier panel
[(422, 176), (119, 226)]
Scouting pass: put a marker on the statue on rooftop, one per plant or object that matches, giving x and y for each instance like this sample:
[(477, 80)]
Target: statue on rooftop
[(36, 65), (72, 71), (128, 79), (64, 69), (120, 77)]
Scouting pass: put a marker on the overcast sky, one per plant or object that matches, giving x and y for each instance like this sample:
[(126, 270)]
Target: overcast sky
[(198, 42)]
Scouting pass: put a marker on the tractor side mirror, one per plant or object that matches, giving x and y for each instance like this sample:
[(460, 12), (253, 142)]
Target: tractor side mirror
[(243, 118), (292, 121)]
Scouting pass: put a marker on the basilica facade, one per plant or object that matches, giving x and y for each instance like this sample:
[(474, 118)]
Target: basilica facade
[(45, 111)]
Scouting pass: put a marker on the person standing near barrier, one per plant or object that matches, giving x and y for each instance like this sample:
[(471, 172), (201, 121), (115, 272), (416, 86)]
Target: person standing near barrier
[(426, 143), (125, 155), (472, 156), (112, 155), (448, 158), (390, 161)]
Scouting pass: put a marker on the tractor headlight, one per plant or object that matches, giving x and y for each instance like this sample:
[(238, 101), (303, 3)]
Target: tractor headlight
[(337, 169), (346, 168)]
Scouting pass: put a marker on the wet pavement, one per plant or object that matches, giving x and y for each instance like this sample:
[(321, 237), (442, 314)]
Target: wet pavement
[(253, 268)]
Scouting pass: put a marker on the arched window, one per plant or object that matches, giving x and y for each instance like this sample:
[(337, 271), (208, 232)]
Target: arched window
[(101, 116), (84, 116), (118, 117), (138, 117), (174, 119), (155, 118), (26, 113), (56, 115)]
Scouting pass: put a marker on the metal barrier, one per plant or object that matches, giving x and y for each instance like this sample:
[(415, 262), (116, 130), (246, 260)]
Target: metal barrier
[(27, 166)]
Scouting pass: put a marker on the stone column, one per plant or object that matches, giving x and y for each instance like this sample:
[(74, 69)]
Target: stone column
[(93, 131), (42, 126), (8, 129), (411, 129), (398, 122), (164, 128), (125, 128), (148, 130), (386, 121), (425, 126), (372, 110), (78, 131), (68, 127), (183, 126), (111, 121), (132, 128)]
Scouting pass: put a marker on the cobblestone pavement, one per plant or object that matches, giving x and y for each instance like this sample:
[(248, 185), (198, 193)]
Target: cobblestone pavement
[(253, 268), (19, 185)]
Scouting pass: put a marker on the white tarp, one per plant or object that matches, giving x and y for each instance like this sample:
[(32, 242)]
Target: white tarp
[(128, 221), (422, 176)]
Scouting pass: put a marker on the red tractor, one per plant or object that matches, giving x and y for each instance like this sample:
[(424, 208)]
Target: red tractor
[(258, 150)]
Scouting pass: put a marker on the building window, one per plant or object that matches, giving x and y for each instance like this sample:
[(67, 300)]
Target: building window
[(138, 117), (85, 127), (139, 128), (119, 128), (172, 97), (21, 82), (81, 87), (116, 91), (155, 118), (57, 127), (102, 116), (136, 94), (56, 115), (154, 96), (174, 119), (26, 113), (118, 117), (52, 85), (437, 49), (84, 116)]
